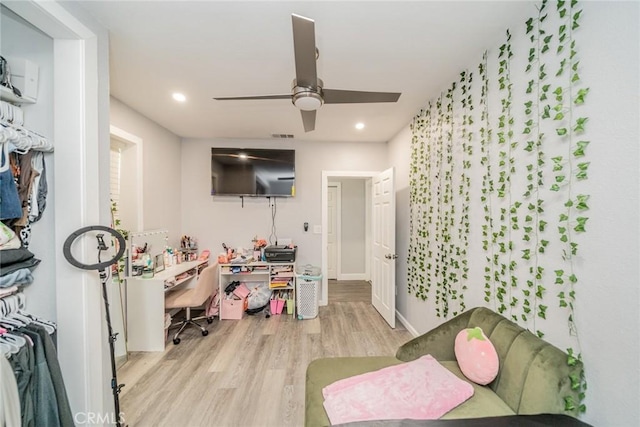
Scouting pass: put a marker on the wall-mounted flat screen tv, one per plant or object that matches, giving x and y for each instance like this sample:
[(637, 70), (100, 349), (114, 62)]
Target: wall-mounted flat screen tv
[(252, 172)]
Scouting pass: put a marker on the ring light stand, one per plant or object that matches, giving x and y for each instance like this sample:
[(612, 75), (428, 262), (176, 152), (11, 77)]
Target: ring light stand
[(101, 267)]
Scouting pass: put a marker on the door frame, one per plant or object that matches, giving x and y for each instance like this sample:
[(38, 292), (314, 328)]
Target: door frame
[(326, 177), (338, 243)]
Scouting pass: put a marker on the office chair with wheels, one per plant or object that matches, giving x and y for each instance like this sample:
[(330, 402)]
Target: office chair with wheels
[(192, 298)]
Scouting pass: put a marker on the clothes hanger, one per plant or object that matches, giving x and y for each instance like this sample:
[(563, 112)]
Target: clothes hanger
[(16, 342), (50, 327), (8, 349), (13, 338), (11, 323)]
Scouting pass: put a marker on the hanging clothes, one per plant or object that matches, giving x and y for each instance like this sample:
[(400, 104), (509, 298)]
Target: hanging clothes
[(40, 187), (32, 357), (22, 364), (51, 357), (45, 406), (10, 206), (9, 397)]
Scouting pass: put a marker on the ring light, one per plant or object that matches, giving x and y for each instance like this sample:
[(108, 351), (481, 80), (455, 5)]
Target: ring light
[(66, 249), (102, 268)]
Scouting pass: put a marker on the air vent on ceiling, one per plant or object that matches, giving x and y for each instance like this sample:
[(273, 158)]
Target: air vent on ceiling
[(282, 135)]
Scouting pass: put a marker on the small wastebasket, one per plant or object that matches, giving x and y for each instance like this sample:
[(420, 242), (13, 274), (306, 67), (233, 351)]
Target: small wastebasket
[(308, 286)]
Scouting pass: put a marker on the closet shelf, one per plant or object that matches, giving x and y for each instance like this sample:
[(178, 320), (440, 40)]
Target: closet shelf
[(7, 94)]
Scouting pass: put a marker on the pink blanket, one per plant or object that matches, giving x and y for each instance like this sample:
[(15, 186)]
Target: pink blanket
[(421, 390)]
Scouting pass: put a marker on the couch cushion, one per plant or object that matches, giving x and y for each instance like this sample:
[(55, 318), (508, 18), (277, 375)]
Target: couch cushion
[(483, 403), (322, 372)]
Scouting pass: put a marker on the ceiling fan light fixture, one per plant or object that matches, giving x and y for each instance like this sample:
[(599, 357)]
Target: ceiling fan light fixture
[(307, 101)]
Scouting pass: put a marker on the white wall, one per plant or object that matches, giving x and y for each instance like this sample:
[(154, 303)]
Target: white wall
[(608, 297), (161, 169), (353, 228), (214, 220)]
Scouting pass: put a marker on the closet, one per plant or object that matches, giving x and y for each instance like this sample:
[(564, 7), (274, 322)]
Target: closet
[(72, 112), (32, 381)]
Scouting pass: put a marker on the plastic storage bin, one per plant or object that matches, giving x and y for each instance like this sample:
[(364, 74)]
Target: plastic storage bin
[(307, 295), (308, 270)]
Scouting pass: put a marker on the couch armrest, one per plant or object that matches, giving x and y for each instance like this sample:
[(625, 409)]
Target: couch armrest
[(438, 342)]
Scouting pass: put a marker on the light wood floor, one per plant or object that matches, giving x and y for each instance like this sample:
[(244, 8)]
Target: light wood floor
[(251, 372)]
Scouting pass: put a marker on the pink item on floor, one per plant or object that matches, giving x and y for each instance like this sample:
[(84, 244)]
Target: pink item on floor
[(422, 389)]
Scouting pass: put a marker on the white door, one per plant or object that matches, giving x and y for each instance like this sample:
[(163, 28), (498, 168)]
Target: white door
[(383, 280), (332, 243)]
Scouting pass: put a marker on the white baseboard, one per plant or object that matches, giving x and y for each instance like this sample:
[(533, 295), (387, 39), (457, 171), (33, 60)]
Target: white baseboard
[(406, 324), (353, 276)]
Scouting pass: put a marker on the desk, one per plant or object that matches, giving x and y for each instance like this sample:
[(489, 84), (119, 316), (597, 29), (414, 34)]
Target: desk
[(145, 304)]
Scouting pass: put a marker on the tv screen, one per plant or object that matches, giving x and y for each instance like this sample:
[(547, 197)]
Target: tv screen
[(252, 172)]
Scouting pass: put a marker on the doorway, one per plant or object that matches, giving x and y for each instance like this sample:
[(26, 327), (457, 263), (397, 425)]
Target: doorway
[(346, 238), (379, 225)]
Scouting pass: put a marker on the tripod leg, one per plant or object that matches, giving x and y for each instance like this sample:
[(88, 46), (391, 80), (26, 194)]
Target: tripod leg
[(115, 387)]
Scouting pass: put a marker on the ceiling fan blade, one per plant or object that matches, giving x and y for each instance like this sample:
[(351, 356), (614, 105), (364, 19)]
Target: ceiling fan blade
[(235, 98), (304, 46), (337, 96), (308, 120)]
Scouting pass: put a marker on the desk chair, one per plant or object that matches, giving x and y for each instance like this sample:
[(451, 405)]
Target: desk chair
[(194, 297)]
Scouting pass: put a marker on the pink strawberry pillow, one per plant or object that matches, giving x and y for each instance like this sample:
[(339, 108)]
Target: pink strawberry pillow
[(477, 357)]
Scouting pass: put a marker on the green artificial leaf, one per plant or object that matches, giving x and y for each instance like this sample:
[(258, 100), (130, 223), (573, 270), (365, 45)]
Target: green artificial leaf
[(529, 24), (581, 146), (580, 226), (546, 112), (561, 131), (559, 116), (582, 93)]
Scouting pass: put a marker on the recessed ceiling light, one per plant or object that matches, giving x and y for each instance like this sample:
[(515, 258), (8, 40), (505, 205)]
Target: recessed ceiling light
[(359, 125), (179, 97)]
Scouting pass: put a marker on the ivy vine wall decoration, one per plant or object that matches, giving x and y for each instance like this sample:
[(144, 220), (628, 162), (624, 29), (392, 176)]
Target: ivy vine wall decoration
[(498, 181)]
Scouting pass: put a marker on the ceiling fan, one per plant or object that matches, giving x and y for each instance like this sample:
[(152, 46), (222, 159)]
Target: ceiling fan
[(308, 93)]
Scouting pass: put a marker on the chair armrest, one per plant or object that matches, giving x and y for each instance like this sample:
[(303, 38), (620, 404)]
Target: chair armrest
[(438, 342)]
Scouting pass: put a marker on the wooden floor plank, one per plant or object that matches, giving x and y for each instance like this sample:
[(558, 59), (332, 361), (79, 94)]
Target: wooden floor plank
[(251, 372)]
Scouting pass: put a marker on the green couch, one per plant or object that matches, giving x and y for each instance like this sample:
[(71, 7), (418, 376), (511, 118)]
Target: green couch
[(533, 376)]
